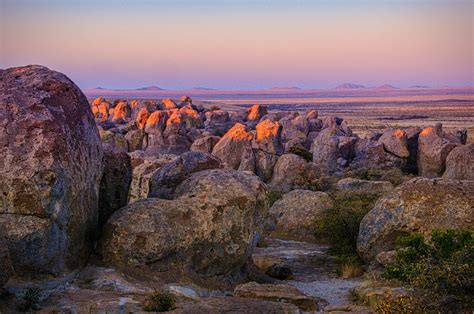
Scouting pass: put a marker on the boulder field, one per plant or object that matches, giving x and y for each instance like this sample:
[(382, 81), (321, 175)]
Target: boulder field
[(172, 192)]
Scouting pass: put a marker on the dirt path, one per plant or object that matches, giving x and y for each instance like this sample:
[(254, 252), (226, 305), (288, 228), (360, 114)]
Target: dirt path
[(313, 269)]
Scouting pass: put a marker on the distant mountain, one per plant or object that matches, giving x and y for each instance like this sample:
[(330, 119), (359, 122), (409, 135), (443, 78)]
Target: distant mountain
[(98, 87), (350, 86), (386, 86), (203, 88), (150, 88), (285, 88), (419, 86)]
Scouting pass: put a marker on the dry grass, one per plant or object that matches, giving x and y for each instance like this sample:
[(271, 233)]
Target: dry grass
[(351, 270)]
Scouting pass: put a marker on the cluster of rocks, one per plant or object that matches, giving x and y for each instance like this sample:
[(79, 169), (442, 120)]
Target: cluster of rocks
[(173, 190)]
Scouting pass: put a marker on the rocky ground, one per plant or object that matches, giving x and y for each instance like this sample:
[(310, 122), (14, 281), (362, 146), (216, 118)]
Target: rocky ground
[(104, 202)]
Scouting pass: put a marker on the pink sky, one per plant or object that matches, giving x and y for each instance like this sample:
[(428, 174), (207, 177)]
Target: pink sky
[(246, 44)]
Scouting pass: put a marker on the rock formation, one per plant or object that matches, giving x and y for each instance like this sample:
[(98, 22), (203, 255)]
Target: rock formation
[(49, 171)]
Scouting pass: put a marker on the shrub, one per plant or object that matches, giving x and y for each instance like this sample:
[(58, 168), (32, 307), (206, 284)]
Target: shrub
[(399, 304), (339, 226), (159, 302), (441, 267), (302, 152), (273, 196), (349, 266), (30, 299)]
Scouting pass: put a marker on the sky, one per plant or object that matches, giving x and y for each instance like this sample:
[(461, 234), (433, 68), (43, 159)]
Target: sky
[(230, 44)]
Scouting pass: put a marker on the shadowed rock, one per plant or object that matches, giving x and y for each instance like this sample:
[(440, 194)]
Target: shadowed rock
[(432, 152), (205, 144), (49, 171), (6, 269), (164, 182), (395, 142)]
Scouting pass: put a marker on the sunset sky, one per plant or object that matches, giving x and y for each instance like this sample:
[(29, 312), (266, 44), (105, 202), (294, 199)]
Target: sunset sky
[(242, 44)]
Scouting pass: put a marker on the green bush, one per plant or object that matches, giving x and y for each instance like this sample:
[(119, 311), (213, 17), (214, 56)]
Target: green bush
[(339, 226), (30, 299), (302, 152), (441, 266), (273, 196), (159, 302)]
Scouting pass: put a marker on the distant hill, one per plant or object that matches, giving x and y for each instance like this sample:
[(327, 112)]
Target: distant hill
[(350, 86), (285, 88), (203, 88), (419, 86), (150, 88), (386, 86)]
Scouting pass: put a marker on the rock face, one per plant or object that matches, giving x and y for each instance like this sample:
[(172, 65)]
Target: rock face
[(142, 172), (432, 152), (256, 112), (395, 142), (234, 147), (364, 186), (292, 171), (6, 269), (114, 185), (281, 293), (294, 214), (209, 229), (268, 137), (460, 163), (164, 182), (49, 171), (419, 205), (205, 144)]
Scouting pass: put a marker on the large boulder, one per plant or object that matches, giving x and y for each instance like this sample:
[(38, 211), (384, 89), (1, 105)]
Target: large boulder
[(460, 163), (331, 152), (293, 215), (142, 170), (256, 112), (268, 137), (6, 269), (114, 185), (395, 142), (164, 181), (208, 230), (205, 144), (291, 172), (50, 170), (432, 152), (419, 205), (234, 146)]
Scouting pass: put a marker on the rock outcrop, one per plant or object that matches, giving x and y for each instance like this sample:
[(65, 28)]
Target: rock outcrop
[(208, 230), (292, 172), (364, 186), (419, 205), (164, 181), (293, 215), (460, 163), (432, 152), (50, 170), (235, 147)]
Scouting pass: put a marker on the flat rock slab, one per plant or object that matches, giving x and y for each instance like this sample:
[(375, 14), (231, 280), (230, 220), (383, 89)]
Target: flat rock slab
[(280, 293)]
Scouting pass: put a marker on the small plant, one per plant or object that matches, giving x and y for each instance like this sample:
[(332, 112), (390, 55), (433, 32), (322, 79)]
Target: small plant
[(302, 152), (399, 304), (273, 196), (30, 299), (349, 267), (159, 301), (339, 226), (441, 267)]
